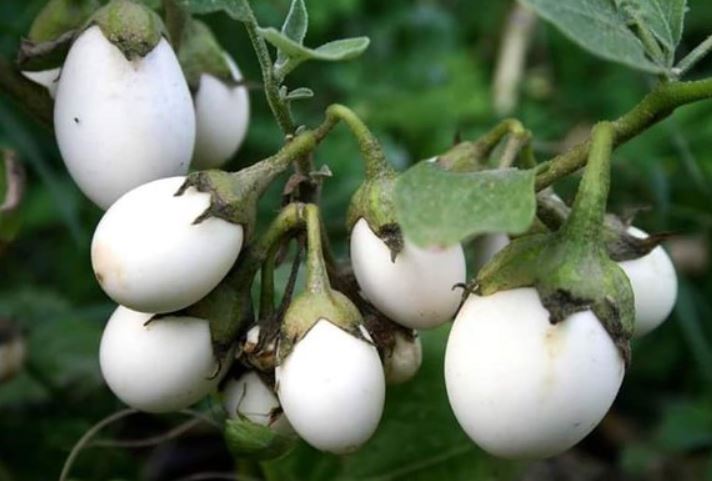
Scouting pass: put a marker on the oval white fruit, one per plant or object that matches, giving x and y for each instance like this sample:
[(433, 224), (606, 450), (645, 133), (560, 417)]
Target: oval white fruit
[(521, 387), (222, 115), (46, 78), (332, 389), (120, 124), (164, 366), (250, 397), (417, 289), (149, 256), (403, 362), (654, 284)]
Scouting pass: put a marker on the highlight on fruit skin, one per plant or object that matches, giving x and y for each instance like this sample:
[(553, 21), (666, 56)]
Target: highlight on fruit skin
[(654, 284), (332, 388), (160, 366), (119, 123), (522, 388), (222, 117), (415, 290), (149, 255)]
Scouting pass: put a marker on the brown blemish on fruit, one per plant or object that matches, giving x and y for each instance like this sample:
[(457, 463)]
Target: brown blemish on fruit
[(105, 266)]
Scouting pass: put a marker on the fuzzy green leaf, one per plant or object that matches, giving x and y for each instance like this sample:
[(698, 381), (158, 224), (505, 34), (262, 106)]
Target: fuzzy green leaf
[(295, 53), (300, 93), (297, 21), (437, 207), (247, 439), (601, 27), (235, 8), (665, 20)]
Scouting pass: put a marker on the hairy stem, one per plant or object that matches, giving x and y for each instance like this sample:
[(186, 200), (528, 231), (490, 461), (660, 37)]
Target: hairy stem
[(317, 278), (371, 151), (656, 106), (585, 222)]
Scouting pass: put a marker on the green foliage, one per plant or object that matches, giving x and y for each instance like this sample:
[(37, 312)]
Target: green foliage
[(426, 77), (437, 207), (247, 439), (618, 30), (235, 8)]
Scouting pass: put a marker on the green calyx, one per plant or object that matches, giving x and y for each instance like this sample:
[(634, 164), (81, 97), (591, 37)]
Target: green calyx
[(52, 33), (58, 17), (374, 202), (319, 301), (246, 439), (234, 196), (620, 244), (200, 53), (132, 27), (570, 268)]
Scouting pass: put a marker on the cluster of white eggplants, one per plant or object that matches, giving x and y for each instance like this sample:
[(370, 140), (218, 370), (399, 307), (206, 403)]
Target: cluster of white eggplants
[(128, 131)]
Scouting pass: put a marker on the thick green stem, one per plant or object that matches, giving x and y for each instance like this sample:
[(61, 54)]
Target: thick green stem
[(371, 151), (176, 19), (317, 278), (656, 106), (585, 223), (468, 156), (691, 59), (264, 171)]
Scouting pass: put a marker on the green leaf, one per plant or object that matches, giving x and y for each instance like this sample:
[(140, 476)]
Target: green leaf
[(599, 27), (300, 93), (437, 207), (237, 9), (344, 49), (663, 18), (294, 27), (297, 21), (245, 438)]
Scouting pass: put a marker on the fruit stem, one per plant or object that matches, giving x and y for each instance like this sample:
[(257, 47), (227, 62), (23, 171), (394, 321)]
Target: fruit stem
[(468, 156), (656, 106), (263, 172), (317, 278), (585, 223), (176, 19), (371, 150), (279, 106)]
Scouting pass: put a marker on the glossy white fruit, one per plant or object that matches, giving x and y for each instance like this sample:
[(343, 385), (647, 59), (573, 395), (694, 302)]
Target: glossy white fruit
[(120, 124), (222, 115), (332, 389), (164, 366), (250, 397), (521, 387), (149, 256), (654, 284), (47, 78), (404, 360), (417, 289)]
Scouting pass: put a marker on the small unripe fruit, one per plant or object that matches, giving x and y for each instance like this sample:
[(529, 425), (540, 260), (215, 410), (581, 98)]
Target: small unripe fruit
[(332, 388), (164, 366), (521, 387), (46, 78), (416, 290), (222, 115), (121, 123), (250, 397), (403, 361), (654, 284), (149, 256)]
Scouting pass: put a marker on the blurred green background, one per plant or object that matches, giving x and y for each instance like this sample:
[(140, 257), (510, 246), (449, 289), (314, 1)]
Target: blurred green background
[(426, 78)]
